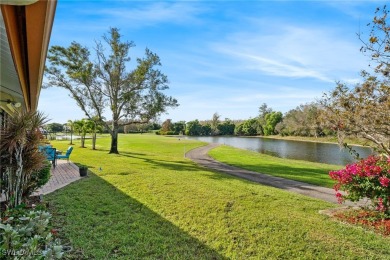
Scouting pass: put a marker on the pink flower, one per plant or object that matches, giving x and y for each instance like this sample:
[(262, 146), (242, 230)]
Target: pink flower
[(366, 178), (384, 181), (339, 197), (380, 206)]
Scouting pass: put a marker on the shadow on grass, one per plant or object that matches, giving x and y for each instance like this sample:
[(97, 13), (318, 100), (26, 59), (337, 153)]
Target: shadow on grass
[(101, 222), (169, 165), (121, 152)]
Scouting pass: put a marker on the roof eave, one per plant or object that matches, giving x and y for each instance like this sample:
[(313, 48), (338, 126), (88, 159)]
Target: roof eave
[(28, 31)]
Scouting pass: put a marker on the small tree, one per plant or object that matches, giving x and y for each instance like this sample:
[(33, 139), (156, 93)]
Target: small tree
[(271, 120), (179, 127), (132, 96), (226, 127), (70, 125), (83, 126), (193, 128), (19, 155), (167, 126), (54, 127), (248, 128), (214, 124), (95, 127), (363, 111), (301, 121)]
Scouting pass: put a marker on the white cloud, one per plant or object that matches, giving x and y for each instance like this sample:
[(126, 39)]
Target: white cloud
[(295, 51), (148, 13)]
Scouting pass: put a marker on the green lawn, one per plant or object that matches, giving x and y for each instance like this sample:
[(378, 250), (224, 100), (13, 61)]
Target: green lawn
[(151, 202), (309, 172)]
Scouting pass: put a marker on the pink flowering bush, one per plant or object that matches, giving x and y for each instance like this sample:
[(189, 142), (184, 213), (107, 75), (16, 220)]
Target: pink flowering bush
[(368, 178)]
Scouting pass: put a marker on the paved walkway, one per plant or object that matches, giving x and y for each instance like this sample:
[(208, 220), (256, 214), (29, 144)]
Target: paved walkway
[(62, 175), (199, 155)]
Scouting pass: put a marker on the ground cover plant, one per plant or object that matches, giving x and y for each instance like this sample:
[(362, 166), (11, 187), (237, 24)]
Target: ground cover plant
[(309, 172), (151, 202), (26, 234)]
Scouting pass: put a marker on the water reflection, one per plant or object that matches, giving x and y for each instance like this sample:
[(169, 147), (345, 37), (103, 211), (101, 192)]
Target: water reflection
[(308, 151)]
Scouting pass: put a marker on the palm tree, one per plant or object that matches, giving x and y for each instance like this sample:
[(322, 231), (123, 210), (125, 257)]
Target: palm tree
[(83, 126), (95, 127)]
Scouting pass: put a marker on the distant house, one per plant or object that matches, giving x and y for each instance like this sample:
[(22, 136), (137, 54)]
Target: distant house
[(25, 29)]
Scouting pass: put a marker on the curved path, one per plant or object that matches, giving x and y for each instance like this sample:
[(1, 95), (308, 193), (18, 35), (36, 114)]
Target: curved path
[(199, 155)]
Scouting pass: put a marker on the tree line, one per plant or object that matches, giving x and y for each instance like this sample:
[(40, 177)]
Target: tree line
[(301, 121)]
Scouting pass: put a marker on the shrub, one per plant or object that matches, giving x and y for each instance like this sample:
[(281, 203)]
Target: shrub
[(26, 235), (20, 158), (368, 178), (38, 179), (166, 133)]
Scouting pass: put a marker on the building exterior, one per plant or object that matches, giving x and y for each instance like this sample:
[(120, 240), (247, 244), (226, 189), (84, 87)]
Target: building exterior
[(25, 29)]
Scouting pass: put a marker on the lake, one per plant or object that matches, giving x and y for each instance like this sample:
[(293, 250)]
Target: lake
[(300, 150)]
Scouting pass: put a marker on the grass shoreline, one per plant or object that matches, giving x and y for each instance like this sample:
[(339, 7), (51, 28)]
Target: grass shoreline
[(325, 140)]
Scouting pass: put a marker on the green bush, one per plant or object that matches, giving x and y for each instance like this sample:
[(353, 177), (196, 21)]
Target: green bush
[(166, 133), (38, 179), (43, 176)]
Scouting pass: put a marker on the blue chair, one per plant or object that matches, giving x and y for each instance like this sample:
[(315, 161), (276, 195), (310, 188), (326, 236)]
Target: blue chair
[(66, 155), (43, 147), (50, 154)]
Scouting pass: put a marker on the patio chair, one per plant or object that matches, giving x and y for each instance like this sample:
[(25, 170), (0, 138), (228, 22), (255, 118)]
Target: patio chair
[(66, 155), (50, 155)]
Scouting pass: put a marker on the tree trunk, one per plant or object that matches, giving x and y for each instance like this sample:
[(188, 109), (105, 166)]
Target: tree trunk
[(94, 141), (71, 137), (114, 137), (114, 142), (82, 141)]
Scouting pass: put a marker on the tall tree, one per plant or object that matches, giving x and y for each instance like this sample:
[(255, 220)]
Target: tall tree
[(132, 96), (364, 110)]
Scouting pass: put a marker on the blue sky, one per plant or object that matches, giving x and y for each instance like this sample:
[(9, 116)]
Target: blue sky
[(227, 57)]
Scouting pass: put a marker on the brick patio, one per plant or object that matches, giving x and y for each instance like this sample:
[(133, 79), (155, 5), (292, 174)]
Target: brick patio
[(62, 175)]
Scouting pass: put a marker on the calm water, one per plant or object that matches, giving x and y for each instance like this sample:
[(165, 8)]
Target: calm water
[(308, 151)]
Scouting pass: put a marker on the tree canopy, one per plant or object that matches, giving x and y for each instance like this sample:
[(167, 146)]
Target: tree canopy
[(103, 82)]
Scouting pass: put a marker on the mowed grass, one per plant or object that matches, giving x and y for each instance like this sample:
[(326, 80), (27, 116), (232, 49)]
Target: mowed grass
[(151, 202), (309, 172)]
